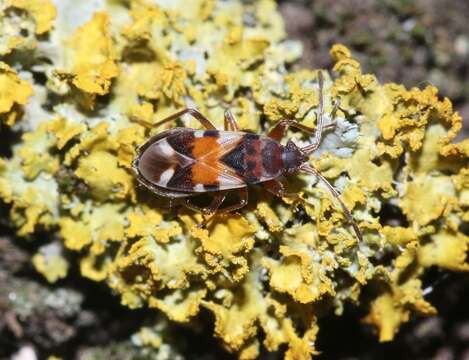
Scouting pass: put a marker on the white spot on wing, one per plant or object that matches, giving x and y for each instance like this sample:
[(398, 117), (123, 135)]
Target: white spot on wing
[(199, 188), (229, 137), (165, 177), (164, 148), (199, 133)]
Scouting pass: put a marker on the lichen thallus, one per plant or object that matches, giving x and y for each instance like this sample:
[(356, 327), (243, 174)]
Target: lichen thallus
[(181, 163)]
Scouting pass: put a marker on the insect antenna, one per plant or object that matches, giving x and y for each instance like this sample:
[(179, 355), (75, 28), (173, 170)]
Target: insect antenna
[(310, 170)]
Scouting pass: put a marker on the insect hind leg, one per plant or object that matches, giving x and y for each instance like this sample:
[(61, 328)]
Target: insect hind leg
[(277, 188), (310, 170), (242, 202), (194, 113), (213, 208)]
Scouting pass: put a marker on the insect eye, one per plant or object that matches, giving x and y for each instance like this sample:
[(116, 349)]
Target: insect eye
[(291, 145)]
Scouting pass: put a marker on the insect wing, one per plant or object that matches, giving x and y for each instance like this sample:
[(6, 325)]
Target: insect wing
[(208, 172), (189, 160)]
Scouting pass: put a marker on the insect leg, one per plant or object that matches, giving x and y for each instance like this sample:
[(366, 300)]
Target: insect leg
[(278, 131), (277, 188), (230, 121), (194, 113), (214, 208), (243, 200), (217, 200), (209, 210), (320, 122), (310, 170)]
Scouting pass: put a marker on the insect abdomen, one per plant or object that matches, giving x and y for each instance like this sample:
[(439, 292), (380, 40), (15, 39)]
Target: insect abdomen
[(255, 159)]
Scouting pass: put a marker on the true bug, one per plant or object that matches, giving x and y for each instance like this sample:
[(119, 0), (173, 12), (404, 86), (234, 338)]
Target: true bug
[(181, 163)]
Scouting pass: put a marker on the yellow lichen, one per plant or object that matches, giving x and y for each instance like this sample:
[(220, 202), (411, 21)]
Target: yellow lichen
[(42, 11), (97, 226), (92, 57), (448, 250), (50, 263), (407, 124), (299, 275), (426, 198), (35, 153), (64, 131), (392, 309), (101, 173), (14, 92)]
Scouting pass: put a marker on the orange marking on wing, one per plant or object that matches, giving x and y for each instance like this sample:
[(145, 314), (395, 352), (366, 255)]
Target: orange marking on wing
[(204, 146), (203, 174), (221, 175), (206, 154)]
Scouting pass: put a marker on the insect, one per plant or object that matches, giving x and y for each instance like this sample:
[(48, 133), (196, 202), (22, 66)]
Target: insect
[(181, 163)]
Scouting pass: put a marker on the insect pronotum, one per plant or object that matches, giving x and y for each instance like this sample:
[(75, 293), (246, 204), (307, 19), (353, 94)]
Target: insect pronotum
[(181, 163)]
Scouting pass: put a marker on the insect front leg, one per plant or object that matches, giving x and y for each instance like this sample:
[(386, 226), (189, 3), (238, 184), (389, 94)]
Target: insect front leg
[(320, 122), (194, 113), (230, 121), (279, 130)]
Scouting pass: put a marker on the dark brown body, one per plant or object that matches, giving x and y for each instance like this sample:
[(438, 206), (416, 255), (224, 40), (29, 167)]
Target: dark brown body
[(194, 161)]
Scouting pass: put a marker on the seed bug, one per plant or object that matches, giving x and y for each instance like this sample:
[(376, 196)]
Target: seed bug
[(181, 163)]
